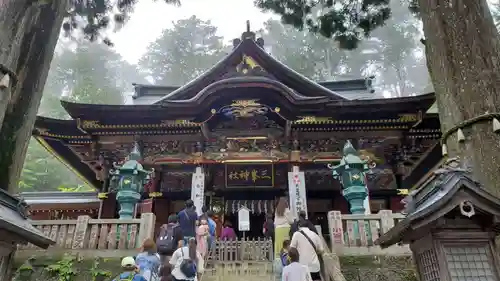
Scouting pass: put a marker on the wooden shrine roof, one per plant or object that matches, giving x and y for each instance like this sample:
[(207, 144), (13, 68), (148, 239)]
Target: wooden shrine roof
[(248, 76)]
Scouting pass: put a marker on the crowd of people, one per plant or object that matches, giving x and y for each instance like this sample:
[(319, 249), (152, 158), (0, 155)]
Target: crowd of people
[(185, 241)]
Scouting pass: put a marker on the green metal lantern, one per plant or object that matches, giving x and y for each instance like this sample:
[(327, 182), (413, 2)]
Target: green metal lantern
[(129, 180), (351, 172)]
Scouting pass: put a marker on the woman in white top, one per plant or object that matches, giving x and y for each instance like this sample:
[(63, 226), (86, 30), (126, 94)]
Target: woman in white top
[(303, 241), (295, 271), (283, 218), (187, 253)]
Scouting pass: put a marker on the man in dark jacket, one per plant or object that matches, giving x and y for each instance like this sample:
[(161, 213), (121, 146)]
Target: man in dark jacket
[(175, 229), (302, 217), (187, 221)]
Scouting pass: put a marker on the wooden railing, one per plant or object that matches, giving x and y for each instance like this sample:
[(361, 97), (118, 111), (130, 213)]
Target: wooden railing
[(356, 234), (86, 236)]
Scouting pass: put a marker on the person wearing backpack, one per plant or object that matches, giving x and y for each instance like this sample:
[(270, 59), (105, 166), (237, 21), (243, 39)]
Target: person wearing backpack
[(187, 220), (148, 261), (129, 271), (169, 237), (187, 263)]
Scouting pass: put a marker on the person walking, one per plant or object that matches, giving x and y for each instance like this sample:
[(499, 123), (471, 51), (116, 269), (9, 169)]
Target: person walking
[(212, 229), (148, 261), (187, 220), (295, 271), (202, 234), (166, 271), (187, 263), (169, 237), (228, 232), (268, 227), (302, 217), (282, 220), (310, 248)]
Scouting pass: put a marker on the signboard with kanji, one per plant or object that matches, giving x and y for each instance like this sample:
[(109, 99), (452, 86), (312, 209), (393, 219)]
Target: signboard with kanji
[(249, 175)]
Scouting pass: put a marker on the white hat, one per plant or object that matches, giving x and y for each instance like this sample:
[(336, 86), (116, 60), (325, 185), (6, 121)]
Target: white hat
[(128, 262)]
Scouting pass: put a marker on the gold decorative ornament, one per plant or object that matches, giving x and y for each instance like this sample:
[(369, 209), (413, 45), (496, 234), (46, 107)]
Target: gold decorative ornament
[(155, 194), (102, 195)]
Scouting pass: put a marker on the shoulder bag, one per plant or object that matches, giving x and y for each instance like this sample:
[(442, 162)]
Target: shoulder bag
[(320, 255)]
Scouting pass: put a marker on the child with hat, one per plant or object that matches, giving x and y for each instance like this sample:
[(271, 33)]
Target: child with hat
[(130, 272)]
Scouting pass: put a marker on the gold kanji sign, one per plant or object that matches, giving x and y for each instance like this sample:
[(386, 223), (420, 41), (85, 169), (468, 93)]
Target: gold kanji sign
[(249, 175)]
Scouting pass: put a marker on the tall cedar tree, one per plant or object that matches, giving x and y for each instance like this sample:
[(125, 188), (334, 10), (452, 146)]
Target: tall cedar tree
[(463, 58), (28, 35)]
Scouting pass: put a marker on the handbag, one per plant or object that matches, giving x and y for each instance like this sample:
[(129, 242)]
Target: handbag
[(320, 256)]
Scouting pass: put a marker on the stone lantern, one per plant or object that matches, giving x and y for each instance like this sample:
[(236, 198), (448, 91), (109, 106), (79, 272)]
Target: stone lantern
[(351, 173), (451, 225), (129, 180)]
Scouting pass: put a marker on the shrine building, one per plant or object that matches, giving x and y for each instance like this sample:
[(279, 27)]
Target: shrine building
[(245, 126)]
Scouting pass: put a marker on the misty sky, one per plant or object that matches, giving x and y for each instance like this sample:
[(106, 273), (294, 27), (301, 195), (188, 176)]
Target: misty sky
[(150, 18)]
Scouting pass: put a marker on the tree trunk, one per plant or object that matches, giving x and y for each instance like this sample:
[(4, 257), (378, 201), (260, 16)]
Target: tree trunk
[(463, 58), (13, 19), (37, 40)]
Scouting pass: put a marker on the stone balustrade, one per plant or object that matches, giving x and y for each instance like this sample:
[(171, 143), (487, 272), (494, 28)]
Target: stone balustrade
[(355, 234), (93, 237), (350, 235)]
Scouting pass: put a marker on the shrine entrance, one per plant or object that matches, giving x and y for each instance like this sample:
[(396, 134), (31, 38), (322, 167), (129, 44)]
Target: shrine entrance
[(256, 223), (255, 186)]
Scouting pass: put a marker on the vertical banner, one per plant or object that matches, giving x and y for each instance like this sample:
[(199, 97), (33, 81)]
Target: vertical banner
[(366, 202), (297, 192), (198, 189)]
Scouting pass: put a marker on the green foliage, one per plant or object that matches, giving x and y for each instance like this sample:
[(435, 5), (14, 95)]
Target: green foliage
[(347, 21), (44, 172), (24, 272), (88, 73), (63, 270), (96, 272), (183, 52), (92, 17)]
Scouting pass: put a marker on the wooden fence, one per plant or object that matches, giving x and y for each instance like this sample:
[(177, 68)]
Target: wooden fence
[(86, 236), (257, 250)]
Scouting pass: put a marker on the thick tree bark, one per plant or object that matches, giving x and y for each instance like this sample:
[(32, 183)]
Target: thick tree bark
[(13, 19), (463, 58), (37, 40)]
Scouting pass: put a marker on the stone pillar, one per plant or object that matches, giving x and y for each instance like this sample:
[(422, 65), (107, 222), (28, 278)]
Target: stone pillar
[(297, 191), (198, 189)]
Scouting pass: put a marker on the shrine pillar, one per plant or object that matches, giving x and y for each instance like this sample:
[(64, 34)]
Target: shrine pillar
[(297, 191), (198, 189)]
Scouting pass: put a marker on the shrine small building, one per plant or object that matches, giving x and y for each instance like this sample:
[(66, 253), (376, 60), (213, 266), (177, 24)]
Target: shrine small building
[(246, 124)]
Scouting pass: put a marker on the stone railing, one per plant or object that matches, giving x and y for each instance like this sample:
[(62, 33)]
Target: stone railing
[(356, 234), (93, 237)]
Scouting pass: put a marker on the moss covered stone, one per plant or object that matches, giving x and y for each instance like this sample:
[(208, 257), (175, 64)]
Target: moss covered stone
[(82, 269), (355, 268), (378, 268)]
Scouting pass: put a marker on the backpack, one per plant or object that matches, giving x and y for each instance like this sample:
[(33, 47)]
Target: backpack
[(188, 266), (165, 241)]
